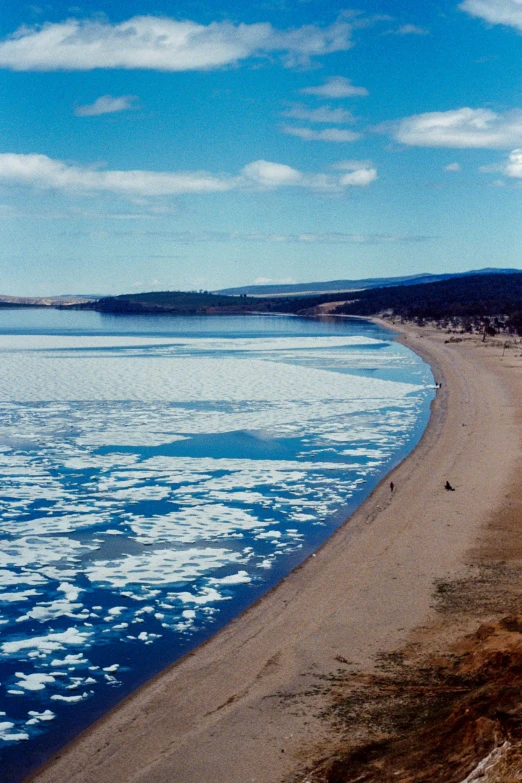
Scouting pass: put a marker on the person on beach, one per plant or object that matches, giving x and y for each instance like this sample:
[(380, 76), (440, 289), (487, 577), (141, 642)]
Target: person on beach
[(392, 486), (448, 486)]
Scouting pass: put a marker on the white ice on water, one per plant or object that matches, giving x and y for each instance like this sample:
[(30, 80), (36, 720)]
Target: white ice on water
[(164, 540)]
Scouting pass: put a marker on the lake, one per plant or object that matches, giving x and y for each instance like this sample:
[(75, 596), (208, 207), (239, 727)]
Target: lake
[(158, 474)]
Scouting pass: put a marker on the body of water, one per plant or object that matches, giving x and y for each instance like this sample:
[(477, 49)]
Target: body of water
[(158, 474)]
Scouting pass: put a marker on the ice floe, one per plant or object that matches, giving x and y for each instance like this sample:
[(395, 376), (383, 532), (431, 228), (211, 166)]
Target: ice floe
[(8, 735), (70, 660), (162, 567), (36, 716), (34, 682), (21, 595), (240, 578), (72, 637), (70, 699)]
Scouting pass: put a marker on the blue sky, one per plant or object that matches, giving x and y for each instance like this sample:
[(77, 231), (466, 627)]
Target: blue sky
[(157, 145)]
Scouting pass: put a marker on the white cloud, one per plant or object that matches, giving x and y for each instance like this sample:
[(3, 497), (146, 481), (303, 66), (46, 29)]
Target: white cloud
[(164, 44), (506, 12), (452, 167), (42, 172), (328, 134), (326, 238), (361, 177), (351, 165), (272, 175), (410, 29), (460, 128), (335, 87), (45, 173), (360, 172), (265, 175), (106, 104), (337, 238), (321, 114), (513, 167)]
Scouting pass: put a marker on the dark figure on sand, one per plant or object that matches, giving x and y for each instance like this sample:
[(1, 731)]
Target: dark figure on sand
[(392, 486), (448, 486)]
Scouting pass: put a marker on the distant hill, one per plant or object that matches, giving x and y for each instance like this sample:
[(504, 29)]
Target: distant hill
[(302, 289)]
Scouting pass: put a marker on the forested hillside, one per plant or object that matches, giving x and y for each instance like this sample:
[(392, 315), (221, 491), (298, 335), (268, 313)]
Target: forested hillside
[(470, 300)]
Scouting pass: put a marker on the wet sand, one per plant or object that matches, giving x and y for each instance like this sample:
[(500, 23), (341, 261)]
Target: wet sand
[(246, 707)]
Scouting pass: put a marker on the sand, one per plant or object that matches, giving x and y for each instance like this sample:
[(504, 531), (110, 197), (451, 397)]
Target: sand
[(246, 706)]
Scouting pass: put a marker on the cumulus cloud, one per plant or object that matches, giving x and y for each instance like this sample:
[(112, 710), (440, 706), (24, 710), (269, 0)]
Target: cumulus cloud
[(452, 167), (360, 172), (321, 114), (272, 175), (361, 177), (265, 175), (163, 44), (351, 165), (410, 29), (506, 12), (328, 134), (336, 87), (512, 167), (106, 104), (42, 172), (460, 128)]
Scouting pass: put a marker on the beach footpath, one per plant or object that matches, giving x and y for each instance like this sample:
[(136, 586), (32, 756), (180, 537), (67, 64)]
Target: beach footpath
[(371, 641)]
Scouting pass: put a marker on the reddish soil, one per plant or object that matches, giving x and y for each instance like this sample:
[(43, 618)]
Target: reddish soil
[(435, 720)]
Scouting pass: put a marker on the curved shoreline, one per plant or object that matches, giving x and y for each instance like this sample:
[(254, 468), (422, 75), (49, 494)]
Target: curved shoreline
[(227, 712)]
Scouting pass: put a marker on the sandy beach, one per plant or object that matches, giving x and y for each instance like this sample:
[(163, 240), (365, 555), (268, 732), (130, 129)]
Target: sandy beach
[(250, 705)]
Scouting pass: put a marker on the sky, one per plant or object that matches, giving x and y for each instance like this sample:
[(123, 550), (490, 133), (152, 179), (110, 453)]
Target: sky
[(153, 145)]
